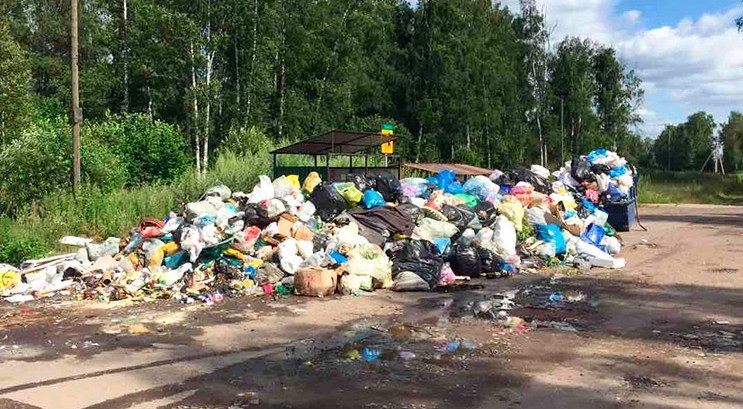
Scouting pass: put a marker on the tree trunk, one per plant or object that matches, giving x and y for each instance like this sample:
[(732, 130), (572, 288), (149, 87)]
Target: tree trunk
[(207, 111), (542, 153), (281, 81), (282, 97), (469, 139), (252, 58), (125, 103), (237, 75), (197, 139), (420, 142), (149, 103)]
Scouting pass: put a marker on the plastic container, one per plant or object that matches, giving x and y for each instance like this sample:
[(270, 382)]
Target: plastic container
[(622, 216)]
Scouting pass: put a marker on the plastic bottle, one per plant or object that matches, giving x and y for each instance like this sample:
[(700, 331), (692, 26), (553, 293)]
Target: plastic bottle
[(371, 354)]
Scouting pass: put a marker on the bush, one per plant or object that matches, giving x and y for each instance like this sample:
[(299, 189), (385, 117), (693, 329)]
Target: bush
[(40, 162), (243, 141), (149, 151), (15, 250)]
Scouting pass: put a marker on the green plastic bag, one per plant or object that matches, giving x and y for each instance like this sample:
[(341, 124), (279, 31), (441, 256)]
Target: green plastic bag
[(350, 193), (609, 230), (470, 201)]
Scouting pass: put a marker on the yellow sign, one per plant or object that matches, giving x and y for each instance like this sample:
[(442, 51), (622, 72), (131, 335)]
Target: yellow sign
[(388, 148)]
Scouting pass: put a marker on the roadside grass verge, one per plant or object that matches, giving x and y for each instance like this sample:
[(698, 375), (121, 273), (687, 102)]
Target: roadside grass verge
[(95, 213), (690, 187)]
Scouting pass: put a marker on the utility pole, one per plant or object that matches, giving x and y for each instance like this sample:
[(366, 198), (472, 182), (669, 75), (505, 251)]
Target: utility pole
[(77, 115)]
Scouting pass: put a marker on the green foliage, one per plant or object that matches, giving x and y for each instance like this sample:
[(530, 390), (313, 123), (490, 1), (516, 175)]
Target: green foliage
[(39, 163), (690, 187), (15, 90), (686, 146), (528, 230), (245, 141), (17, 249), (454, 73), (731, 136), (149, 151)]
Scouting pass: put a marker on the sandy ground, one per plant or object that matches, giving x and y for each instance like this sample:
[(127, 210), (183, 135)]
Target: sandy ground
[(666, 332)]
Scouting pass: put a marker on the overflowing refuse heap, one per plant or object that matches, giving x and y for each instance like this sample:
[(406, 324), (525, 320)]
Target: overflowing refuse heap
[(318, 238)]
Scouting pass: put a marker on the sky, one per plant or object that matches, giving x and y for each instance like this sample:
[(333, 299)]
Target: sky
[(688, 53)]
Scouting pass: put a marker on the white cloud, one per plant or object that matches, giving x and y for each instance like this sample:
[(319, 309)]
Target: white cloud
[(694, 65), (632, 16)]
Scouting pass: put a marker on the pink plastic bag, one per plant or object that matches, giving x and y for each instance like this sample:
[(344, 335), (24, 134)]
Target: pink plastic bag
[(446, 275)]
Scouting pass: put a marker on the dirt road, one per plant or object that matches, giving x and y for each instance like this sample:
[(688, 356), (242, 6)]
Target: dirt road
[(666, 332)]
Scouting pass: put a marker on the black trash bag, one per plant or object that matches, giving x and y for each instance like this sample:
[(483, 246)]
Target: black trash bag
[(466, 261), (580, 169), (403, 200), (458, 216), (598, 169), (320, 242), (418, 256), (514, 176), (252, 218), (328, 202), (389, 186), (485, 211), (584, 212), (448, 254), (388, 221), (489, 261), (412, 211), (362, 182)]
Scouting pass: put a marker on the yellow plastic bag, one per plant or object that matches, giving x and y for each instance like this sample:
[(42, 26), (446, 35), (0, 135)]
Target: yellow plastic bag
[(294, 179), (513, 210), (9, 279), (311, 181), (349, 192)]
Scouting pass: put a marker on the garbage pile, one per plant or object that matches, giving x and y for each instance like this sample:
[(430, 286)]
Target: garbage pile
[(320, 238), (602, 176)]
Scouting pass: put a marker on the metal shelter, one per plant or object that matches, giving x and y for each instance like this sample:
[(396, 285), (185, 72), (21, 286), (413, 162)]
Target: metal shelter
[(339, 143)]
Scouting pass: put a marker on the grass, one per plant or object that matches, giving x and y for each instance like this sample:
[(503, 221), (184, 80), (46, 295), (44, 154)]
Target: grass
[(690, 187), (98, 214)]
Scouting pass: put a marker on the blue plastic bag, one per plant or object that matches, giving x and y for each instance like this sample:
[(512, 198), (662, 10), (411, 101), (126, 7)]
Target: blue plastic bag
[(372, 198), (443, 179), (476, 187), (441, 244), (593, 234), (552, 234), (598, 153), (588, 205), (614, 194), (338, 257), (617, 171), (454, 188)]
